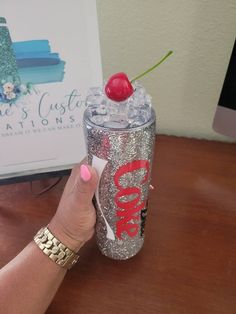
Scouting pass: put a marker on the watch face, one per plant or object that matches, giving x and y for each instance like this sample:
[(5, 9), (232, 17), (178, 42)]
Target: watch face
[(228, 93)]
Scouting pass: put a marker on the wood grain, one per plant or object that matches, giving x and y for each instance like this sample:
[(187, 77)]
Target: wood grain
[(188, 262)]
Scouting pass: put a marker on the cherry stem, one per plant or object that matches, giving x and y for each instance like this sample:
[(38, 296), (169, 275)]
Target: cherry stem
[(152, 68)]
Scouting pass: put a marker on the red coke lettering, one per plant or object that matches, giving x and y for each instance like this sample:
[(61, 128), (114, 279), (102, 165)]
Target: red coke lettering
[(129, 211)]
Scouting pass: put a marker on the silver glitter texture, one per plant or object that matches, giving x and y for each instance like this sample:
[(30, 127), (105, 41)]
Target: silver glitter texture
[(119, 146)]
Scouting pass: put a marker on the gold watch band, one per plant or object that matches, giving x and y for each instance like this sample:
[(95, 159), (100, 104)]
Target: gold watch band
[(54, 249)]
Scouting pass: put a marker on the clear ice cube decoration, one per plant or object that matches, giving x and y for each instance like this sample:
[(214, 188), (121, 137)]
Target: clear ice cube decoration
[(139, 96), (95, 91), (99, 119), (96, 105), (146, 114), (139, 120), (149, 100), (112, 107), (138, 87), (91, 101), (101, 110), (133, 112)]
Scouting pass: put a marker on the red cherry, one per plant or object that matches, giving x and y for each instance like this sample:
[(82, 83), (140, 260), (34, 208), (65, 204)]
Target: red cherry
[(118, 87)]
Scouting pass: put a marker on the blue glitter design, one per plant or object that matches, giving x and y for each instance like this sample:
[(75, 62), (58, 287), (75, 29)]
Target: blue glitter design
[(23, 62), (8, 66)]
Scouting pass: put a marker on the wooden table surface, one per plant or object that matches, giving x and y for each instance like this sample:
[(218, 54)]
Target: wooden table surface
[(188, 262)]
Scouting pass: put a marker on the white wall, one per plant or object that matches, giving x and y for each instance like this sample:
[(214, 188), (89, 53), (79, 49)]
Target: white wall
[(134, 34)]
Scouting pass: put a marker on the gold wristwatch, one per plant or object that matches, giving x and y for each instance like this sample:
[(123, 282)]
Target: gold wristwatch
[(54, 249)]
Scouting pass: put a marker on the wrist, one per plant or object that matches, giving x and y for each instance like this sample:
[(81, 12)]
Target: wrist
[(57, 251), (59, 232)]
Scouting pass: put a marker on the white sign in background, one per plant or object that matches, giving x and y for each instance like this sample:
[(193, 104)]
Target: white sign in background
[(43, 131)]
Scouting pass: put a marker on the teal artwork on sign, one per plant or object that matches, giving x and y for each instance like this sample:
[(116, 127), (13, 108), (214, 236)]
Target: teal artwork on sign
[(25, 63), (36, 63)]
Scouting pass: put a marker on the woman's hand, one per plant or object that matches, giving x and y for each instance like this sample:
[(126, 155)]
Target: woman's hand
[(31, 272), (73, 224)]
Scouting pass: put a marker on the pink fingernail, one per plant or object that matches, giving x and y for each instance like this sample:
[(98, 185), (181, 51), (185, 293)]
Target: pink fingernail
[(85, 173)]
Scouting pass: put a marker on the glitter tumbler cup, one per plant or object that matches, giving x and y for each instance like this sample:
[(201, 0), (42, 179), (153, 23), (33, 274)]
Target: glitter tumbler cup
[(123, 160)]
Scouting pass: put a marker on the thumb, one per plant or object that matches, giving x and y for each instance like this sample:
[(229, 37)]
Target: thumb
[(86, 180), (75, 217)]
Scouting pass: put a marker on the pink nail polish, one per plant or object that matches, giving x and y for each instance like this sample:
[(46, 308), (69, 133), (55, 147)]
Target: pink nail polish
[(85, 173)]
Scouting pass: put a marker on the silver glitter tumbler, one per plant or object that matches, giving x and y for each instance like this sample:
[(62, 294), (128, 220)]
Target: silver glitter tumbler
[(123, 160)]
